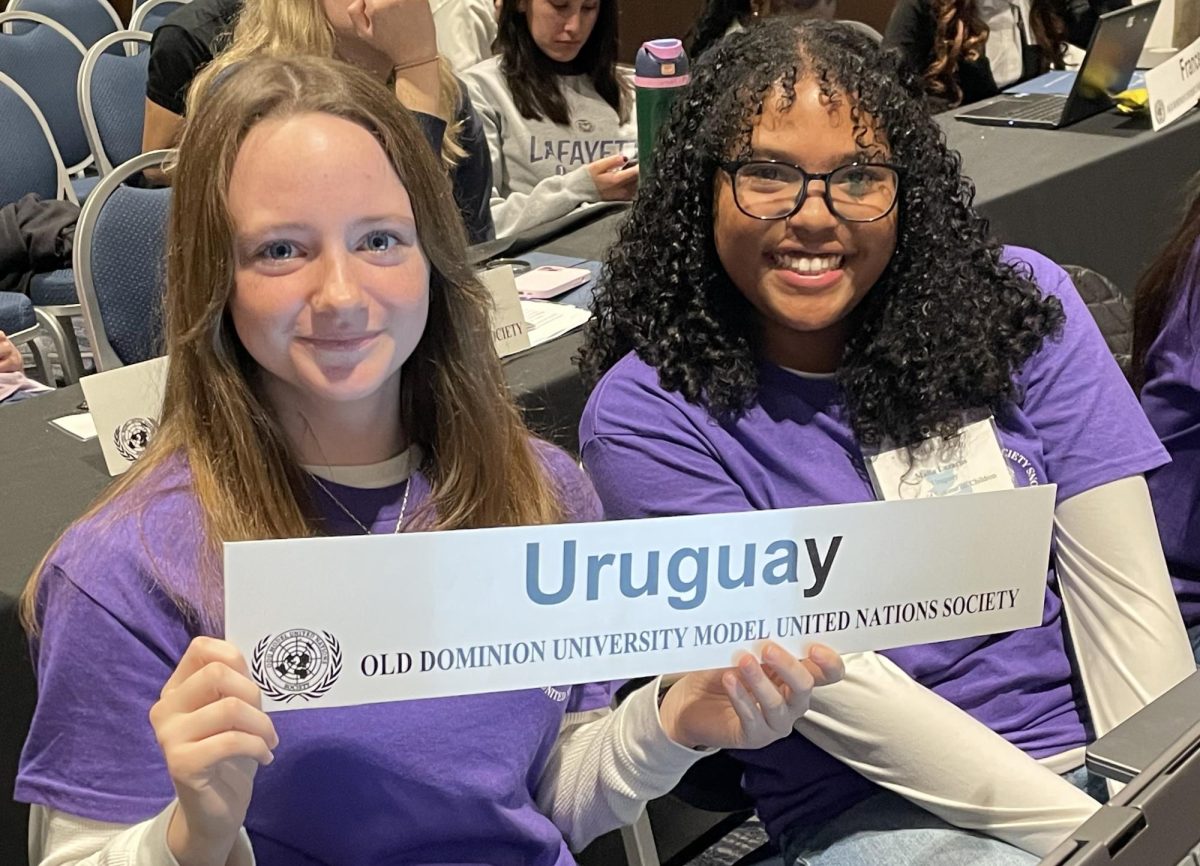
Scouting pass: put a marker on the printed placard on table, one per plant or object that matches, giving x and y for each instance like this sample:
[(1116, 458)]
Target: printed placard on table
[(1173, 87), (125, 405), (510, 332), (329, 622)]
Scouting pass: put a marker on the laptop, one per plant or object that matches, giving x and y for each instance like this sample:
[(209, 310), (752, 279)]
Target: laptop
[(1113, 51), (1133, 745)]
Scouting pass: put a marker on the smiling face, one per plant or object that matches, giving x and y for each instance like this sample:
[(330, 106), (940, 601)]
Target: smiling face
[(561, 27), (331, 289), (805, 274)]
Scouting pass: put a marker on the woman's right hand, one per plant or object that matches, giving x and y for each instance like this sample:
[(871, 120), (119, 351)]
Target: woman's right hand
[(613, 182), (214, 734)]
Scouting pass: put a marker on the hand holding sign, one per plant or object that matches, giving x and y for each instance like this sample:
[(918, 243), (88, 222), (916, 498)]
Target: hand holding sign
[(213, 733), (748, 706)]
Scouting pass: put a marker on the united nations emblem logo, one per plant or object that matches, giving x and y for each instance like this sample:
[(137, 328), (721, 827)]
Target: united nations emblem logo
[(133, 436), (297, 663), (1160, 111)]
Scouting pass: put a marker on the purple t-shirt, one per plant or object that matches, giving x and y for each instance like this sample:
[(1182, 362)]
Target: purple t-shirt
[(652, 453), (1171, 398), (444, 781)]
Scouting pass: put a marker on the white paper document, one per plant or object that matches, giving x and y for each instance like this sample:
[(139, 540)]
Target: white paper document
[(548, 321), (125, 404), (79, 425), (327, 622)]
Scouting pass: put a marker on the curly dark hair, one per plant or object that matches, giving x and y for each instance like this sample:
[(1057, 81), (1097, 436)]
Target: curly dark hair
[(945, 328), (960, 34)]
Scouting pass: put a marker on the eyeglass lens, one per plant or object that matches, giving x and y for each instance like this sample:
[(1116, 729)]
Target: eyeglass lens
[(858, 193)]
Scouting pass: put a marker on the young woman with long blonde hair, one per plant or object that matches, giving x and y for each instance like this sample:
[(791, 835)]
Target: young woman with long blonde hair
[(331, 373), (393, 40)]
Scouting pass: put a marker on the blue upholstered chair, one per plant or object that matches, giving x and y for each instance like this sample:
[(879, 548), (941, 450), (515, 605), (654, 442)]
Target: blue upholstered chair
[(120, 244), (112, 95), (45, 60), (31, 161), (147, 16), (89, 20)]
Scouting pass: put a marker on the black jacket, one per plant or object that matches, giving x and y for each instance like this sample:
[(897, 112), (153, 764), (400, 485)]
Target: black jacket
[(35, 237)]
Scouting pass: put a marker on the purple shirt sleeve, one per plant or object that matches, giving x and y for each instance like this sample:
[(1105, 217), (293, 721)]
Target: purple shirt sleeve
[(1090, 424), (100, 667), (652, 440)]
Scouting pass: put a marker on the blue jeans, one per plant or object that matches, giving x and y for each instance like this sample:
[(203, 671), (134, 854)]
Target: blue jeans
[(887, 830)]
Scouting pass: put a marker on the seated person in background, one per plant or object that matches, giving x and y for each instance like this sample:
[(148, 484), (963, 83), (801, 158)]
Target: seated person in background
[(968, 50), (14, 384), (465, 31), (182, 45), (1166, 358), (727, 16), (10, 356), (557, 112), (281, 420), (803, 282), (393, 40)]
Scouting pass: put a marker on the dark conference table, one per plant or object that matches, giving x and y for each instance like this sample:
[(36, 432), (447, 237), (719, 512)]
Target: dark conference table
[(1104, 193)]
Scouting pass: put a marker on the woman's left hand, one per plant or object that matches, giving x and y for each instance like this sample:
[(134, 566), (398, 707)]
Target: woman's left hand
[(750, 705)]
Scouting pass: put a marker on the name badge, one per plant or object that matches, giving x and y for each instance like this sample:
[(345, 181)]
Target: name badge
[(971, 462)]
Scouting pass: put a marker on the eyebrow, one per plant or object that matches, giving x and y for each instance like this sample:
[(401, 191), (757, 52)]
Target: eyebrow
[(841, 159), (273, 229)]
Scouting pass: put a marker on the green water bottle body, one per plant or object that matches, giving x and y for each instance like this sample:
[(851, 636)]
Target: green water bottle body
[(661, 72)]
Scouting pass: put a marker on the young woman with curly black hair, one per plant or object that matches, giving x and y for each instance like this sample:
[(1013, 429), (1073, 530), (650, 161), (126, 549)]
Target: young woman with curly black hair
[(754, 345), (967, 50), (1166, 360), (558, 115)]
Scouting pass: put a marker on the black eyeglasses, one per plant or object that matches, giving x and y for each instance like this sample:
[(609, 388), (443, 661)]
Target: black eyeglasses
[(768, 189)]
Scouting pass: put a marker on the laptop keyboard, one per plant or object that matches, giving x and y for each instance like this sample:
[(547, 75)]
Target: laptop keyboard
[(1046, 107)]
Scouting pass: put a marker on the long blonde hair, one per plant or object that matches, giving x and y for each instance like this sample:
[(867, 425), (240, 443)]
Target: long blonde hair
[(278, 28), (481, 463)]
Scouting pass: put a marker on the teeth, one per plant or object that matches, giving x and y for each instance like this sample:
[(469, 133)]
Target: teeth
[(803, 264)]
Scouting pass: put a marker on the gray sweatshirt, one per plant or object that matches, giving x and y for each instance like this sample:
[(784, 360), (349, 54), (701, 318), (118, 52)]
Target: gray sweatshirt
[(539, 168)]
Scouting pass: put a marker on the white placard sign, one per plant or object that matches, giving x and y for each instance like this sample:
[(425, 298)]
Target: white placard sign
[(1174, 86), (510, 332), (125, 405), (329, 622)]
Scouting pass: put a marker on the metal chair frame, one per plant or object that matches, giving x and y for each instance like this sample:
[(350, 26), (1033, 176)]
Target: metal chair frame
[(15, 6), (83, 89), (64, 180), (143, 10), (29, 336)]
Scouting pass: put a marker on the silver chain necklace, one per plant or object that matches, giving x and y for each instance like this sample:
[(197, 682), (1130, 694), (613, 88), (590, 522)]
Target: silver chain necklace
[(366, 530)]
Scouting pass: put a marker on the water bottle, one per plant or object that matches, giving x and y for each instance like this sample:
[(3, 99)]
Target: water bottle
[(661, 72)]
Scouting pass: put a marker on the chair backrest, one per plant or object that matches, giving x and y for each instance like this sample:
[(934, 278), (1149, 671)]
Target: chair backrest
[(119, 252), (1112, 311), (45, 60), (89, 20), (31, 162), (150, 14), (112, 98)]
